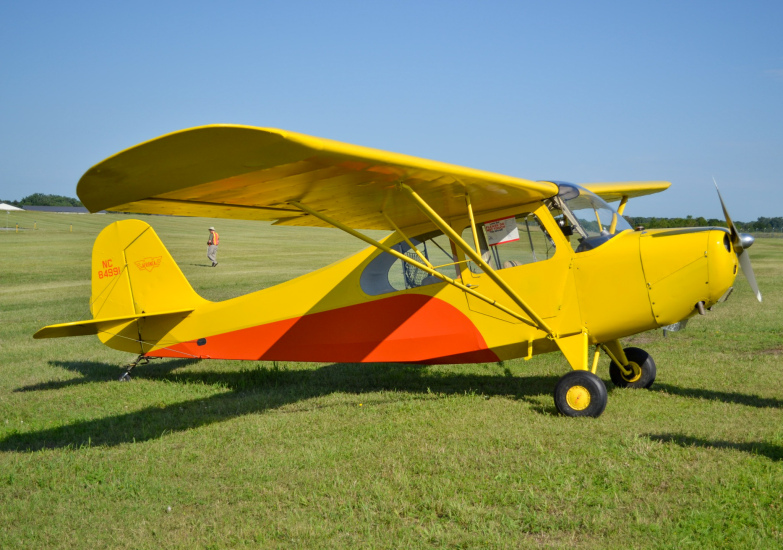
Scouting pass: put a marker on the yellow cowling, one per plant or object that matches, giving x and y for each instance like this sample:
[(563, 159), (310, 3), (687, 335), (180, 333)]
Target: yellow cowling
[(684, 267)]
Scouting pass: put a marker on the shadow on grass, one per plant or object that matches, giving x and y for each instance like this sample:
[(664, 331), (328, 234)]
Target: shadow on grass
[(95, 372), (257, 390), (725, 397), (759, 448)]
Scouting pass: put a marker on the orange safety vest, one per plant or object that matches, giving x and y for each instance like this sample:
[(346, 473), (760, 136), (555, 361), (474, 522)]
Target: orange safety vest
[(214, 238)]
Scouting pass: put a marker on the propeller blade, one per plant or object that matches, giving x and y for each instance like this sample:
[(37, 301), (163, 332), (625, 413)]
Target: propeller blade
[(740, 243), (735, 238), (747, 269)]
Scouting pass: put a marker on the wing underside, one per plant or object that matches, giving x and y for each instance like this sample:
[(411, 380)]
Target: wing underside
[(255, 173)]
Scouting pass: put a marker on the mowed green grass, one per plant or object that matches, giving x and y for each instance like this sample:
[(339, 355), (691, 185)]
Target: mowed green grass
[(224, 454)]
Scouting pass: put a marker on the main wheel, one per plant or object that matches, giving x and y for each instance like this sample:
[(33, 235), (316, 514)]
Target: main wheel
[(642, 370), (580, 393)]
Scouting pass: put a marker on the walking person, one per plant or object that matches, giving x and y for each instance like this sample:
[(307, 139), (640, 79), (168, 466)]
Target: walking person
[(212, 245)]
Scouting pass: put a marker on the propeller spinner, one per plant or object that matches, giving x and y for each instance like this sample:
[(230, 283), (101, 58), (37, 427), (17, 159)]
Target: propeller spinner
[(741, 242)]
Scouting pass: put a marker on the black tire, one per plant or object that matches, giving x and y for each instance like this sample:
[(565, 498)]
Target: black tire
[(580, 393), (643, 379)]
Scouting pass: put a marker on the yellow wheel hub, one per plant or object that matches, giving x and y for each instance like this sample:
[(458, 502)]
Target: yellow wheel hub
[(578, 398), (636, 373)]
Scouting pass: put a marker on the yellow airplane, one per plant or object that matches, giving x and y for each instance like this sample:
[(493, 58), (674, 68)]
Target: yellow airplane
[(478, 267)]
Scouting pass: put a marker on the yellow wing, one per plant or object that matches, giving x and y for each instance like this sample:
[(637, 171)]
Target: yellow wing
[(630, 189), (244, 172)]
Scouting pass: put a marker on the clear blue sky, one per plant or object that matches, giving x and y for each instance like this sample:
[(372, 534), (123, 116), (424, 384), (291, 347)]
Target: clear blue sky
[(575, 91)]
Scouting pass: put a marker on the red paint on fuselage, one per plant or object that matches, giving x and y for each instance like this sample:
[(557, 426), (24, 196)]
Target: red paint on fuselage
[(410, 328)]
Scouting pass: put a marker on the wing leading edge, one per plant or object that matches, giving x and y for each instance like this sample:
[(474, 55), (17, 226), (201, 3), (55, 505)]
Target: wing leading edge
[(254, 173)]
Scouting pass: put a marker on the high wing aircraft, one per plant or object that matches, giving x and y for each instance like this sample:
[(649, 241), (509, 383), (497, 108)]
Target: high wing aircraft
[(478, 267)]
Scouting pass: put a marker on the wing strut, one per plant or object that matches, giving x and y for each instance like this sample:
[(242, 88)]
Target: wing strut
[(408, 241), (473, 255), (428, 269), (620, 209)]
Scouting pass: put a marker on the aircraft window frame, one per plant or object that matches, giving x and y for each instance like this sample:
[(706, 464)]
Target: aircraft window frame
[(378, 275), (492, 253), (589, 238)]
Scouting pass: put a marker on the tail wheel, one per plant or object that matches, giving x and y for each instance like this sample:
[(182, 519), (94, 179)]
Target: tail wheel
[(580, 393), (642, 369)]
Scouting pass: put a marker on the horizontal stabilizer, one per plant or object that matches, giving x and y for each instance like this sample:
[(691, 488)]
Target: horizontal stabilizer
[(95, 326)]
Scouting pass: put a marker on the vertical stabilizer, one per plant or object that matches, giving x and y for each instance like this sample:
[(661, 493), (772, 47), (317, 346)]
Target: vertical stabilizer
[(133, 273)]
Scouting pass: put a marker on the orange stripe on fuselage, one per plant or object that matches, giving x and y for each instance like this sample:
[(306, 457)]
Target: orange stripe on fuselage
[(410, 328)]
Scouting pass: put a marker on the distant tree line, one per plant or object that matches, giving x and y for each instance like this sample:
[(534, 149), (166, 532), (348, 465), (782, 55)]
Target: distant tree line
[(760, 225), (40, 199)]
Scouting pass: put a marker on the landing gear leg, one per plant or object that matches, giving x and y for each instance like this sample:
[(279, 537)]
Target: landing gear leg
[(140, 360), (630, 367)]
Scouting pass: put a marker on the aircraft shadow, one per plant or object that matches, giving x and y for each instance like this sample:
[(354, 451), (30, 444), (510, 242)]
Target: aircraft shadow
[(257, 390), (725, 397), (759, 448), (96, 372)]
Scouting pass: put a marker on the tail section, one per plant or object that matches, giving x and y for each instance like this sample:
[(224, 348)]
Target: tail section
[(134, 274), (138, 292)]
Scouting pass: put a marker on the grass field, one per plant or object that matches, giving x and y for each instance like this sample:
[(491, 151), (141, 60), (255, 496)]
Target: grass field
[(224, 454)]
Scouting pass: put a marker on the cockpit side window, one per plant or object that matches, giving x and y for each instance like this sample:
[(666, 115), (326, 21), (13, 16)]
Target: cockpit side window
[(503, 243), (509, 242), (436, 248), (386, 273)]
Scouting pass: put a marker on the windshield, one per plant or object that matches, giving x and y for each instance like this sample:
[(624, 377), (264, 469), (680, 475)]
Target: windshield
[(586, 216)]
